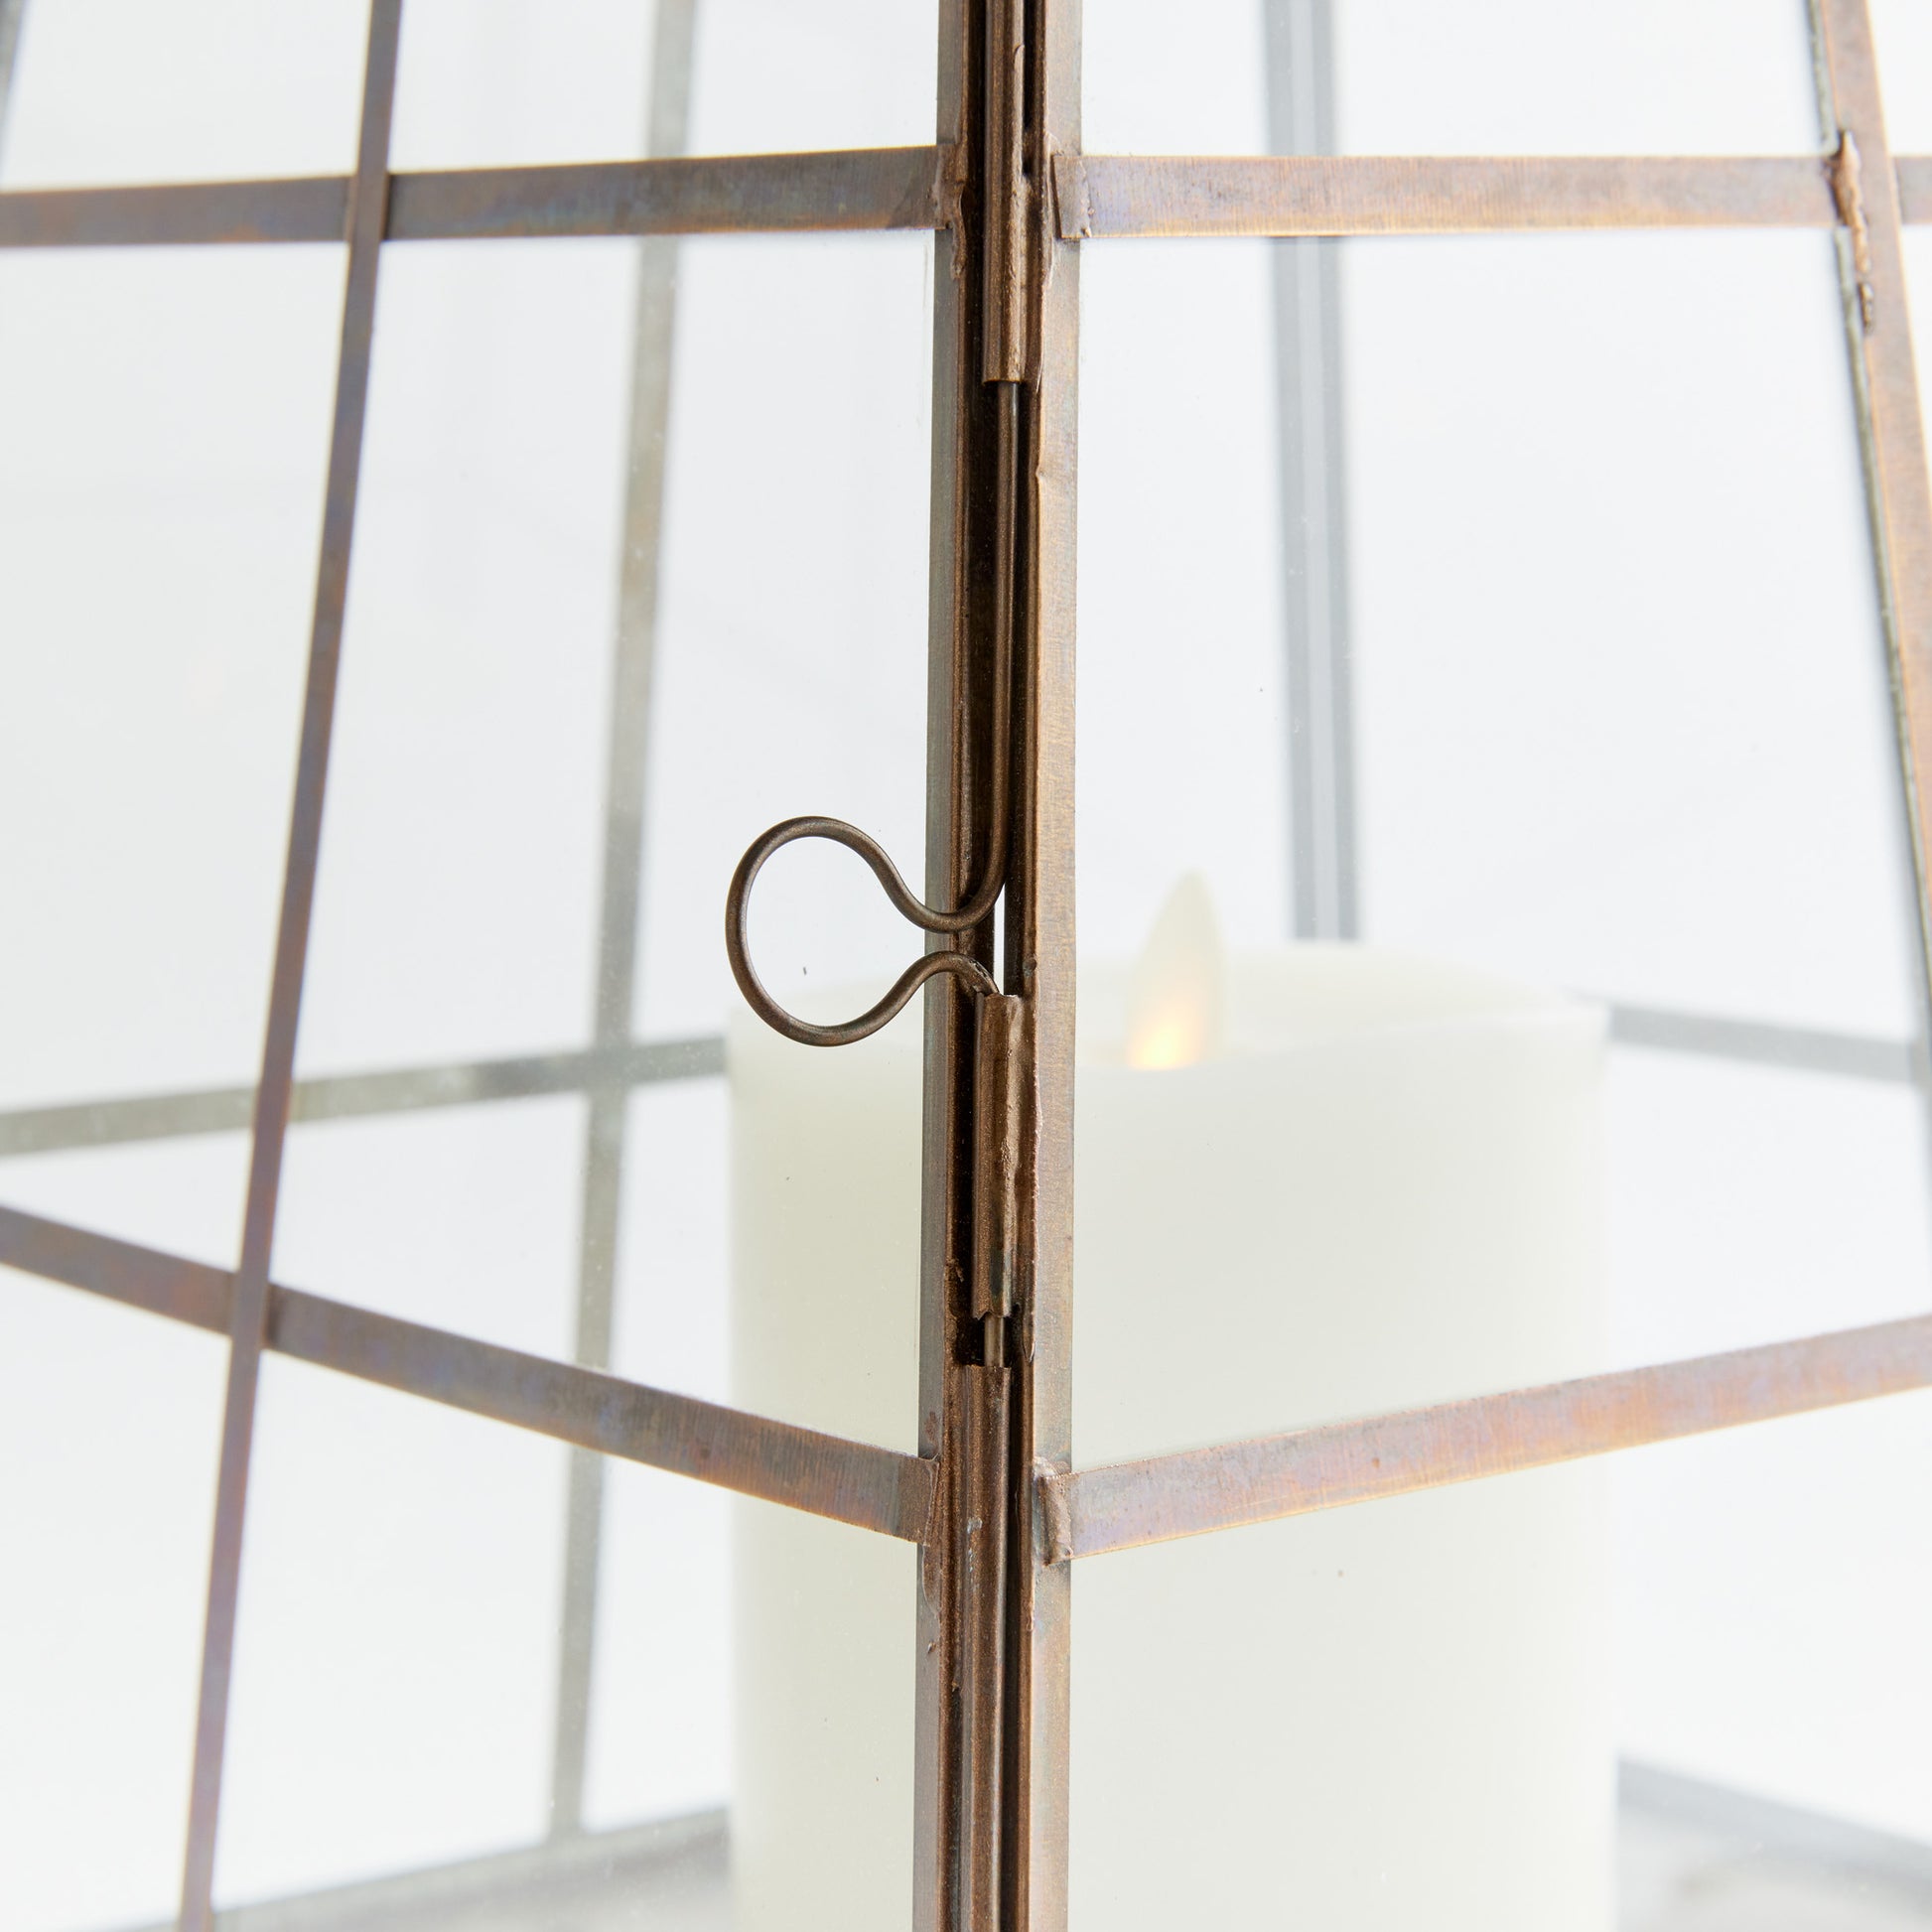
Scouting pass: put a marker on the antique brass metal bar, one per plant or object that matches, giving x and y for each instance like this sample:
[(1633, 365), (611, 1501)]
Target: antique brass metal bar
[(860, 188), (361, 1096), (1885, 382), (1101, 195), (824, 1475), (367, 205), (981, 1557), (192, 213), (1041, 964), (1338, 1463), (907, 187), (1004, 187), (614, 991)]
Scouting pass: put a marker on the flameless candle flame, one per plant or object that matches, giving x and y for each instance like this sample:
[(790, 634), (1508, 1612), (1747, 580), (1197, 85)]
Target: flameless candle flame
[(1176, 999)]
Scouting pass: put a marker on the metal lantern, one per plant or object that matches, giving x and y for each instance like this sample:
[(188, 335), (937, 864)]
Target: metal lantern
[(998, 1518)]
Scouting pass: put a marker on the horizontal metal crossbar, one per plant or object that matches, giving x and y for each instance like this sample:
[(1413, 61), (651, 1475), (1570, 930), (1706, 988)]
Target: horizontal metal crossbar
[(1098, 196), (1103, 196), (1336, 1464), (859, 187), (825, 1475), (355, 1096)]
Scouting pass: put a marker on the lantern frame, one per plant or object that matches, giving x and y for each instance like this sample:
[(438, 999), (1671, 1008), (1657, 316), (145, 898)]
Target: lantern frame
[(1013, 200)]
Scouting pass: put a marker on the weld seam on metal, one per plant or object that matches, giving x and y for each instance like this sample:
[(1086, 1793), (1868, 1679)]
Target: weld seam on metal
[(1336, 1464)]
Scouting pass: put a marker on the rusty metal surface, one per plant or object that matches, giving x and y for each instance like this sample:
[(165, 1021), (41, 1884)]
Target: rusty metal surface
[(1339, 1463), (313, 209), (1040, 949), (861, 188), (980, 1560), (852, 1482), (858, 1484), (1005, 193), (368, 204), (184, 1291), (955, 842), (1885, 381), (910, 188), (1099, 195), (614, 987), (359, 1096)]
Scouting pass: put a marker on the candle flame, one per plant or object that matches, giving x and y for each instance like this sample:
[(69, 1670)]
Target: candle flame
[(1175, 1000)]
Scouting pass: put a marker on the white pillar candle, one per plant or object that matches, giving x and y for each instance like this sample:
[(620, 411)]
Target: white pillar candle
[(1311, 1184)]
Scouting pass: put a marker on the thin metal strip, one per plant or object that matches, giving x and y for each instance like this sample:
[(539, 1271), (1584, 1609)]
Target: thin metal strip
[(859, 187), (954, 563), (614, 991), (1104, 195), (361, 1096), (367, 206), (1339, 1463), (192, 213), (1879, 326), (906, 188), (170, 1286), (858, 1484), (1041, 963)]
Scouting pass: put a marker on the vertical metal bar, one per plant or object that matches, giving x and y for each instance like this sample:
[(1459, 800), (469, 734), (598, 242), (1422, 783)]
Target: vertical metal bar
[(1314, 560), (367, 212), (617, 947), (1871, 266), (949, 871), (1040, 962), (11, 14)]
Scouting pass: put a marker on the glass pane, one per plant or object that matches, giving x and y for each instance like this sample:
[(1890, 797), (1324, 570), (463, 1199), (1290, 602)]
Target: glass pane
[(1680, 1689), (507, 533), (519, 82), (1530, 644), (396, 1652), (166, 418), (109, 1428), (1404, 77), (395, 1675), (1904, 36), (117, 90), (790, 669)]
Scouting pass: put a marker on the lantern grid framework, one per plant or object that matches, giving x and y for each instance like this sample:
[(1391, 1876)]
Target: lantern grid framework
[(1013, 200)]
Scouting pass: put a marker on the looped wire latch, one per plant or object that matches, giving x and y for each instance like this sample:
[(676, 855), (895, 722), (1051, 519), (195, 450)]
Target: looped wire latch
[(962, 966)]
